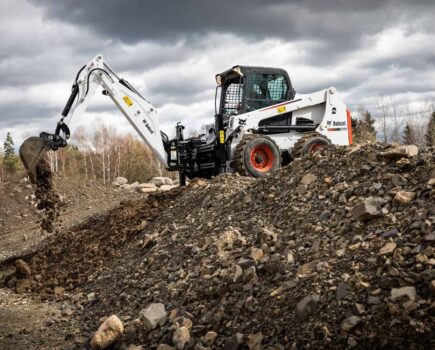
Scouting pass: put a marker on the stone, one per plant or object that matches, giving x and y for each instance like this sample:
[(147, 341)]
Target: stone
[(366, 210), (160, 180), (23, 286), (147, 185), (388, 248), (404, 151), (59, 291), (430, 237), (403, 293), (342, 291), (135, 347), (349, 323), (22, 269), (306, 307), (234, 342), (254, 341), (290, 258), (108, 332), (256, 254), (404, 197), (308, 179), (237, 273), (152, 315), (209, 338), (148, 189), (165, 347), (181, 337), (167, 187), (120, 181)]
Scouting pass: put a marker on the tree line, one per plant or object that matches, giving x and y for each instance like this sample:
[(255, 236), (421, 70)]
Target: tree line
[(389, 123), (100, 155)]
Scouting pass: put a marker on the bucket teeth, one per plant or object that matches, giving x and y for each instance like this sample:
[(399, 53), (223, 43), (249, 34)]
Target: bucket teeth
[(31, 151)]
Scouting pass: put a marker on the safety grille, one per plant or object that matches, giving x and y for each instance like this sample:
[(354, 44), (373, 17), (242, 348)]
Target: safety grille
[(233, 98)]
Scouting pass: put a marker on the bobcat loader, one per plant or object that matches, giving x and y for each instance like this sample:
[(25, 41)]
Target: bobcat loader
[(260, 123)]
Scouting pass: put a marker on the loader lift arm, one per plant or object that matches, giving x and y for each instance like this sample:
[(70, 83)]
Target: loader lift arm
[(136, 109)]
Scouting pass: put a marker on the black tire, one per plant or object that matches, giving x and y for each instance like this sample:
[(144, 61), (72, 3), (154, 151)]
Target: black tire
[(300, 148), (257, 156), (314, 144)]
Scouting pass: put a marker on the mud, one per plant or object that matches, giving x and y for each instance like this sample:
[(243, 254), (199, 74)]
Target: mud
[(48, 199)]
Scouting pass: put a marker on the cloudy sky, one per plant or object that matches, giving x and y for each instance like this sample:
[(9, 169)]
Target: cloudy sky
[(170, 50)]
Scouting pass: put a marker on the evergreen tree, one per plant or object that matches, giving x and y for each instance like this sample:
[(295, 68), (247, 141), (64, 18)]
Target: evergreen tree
[(430, 131), (364, 128), (369, 126), (408, 135), (9, 159)]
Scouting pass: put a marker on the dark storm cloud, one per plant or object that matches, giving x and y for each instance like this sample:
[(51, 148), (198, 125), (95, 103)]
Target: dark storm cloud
[(340, 22)]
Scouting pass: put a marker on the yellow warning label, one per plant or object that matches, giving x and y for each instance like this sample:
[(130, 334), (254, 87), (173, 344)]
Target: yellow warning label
[(128, 100), (281, 109), (221, 136)]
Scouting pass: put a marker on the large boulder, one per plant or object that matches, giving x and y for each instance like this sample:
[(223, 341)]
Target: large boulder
[(404, 151), (161, 180), (119, 181), (110, 330)]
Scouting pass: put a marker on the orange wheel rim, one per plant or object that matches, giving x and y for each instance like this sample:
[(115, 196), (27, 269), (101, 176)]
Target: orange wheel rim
[(262, 158)]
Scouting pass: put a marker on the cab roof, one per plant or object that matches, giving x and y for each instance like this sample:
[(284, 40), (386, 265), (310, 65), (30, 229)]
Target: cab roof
[(246, 70)]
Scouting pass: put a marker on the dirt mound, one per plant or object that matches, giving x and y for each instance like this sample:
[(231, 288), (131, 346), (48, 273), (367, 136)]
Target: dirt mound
[(334, 251)]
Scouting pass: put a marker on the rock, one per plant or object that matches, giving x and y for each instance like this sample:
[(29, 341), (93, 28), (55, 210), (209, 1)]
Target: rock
[(120, 181), (308, 179), (181, 337), (135, 347), (430, 237), (167, 187), (152, 315), (404, 197), (290, 258), (165, 347), (148, 189), (256, 254), (342, 291), (234, 342), (159, 181), (349, 323), (209, 338), (405, 151), (367, 210), (109, 331), (406, 293), (254, 341), (22, 269), (306, 307), (147, 185), (388, 248), (237, 273), (23, 286), (59, 291)]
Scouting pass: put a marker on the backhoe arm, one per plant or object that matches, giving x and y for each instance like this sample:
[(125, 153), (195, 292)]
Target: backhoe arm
[(138, 111)]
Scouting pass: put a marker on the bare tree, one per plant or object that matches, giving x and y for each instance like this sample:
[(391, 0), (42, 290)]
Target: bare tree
[(382, 114), (397, 113)]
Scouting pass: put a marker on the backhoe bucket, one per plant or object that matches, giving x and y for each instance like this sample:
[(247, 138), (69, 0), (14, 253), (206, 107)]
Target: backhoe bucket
[(31, 152)]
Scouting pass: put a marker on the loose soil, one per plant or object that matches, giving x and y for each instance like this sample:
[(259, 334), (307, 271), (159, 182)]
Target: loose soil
[(282, 261)]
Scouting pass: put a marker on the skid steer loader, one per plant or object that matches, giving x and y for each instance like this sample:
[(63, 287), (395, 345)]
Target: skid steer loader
[(260, 123)]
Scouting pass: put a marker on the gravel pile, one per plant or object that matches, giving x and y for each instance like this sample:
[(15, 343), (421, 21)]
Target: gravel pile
[(334, 251)]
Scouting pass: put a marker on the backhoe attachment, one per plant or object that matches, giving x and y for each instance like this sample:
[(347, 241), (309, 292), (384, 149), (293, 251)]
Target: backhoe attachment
[(34, 149)]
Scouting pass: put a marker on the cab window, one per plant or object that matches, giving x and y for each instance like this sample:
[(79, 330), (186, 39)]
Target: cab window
[(265, 90)]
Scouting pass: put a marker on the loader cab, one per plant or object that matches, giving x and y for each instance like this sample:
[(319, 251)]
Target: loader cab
[(245, 89)]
